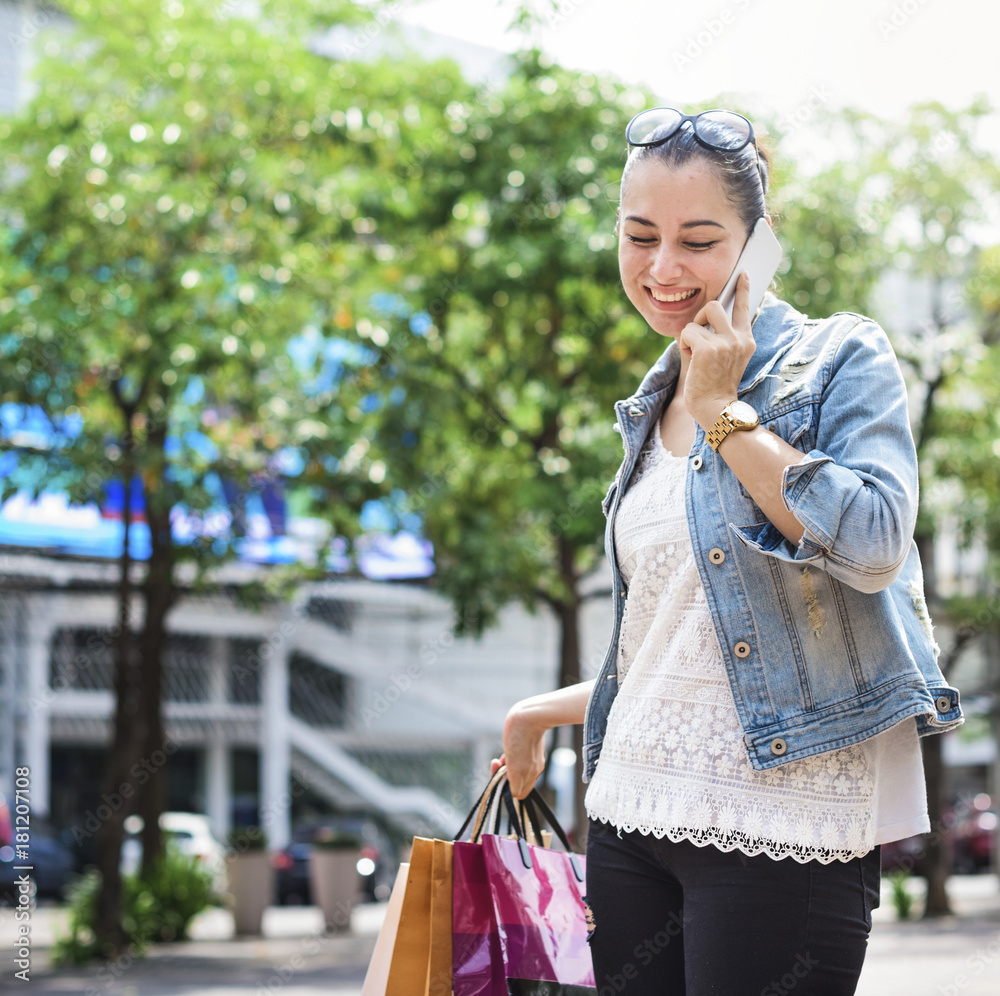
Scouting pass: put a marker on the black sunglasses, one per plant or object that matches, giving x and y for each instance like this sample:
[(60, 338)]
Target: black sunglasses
[(724, 131)]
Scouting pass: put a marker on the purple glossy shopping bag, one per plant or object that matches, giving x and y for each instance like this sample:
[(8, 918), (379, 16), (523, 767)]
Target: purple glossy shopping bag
[(540, 915), (477, 963)]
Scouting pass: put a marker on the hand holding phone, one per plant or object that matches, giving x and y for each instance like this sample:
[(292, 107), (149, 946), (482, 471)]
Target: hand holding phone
[(760, 258)]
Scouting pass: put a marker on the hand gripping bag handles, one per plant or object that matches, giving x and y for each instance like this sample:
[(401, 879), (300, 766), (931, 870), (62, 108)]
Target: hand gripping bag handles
[(505, 912), (518, 912), (413, 953), (538, 905)]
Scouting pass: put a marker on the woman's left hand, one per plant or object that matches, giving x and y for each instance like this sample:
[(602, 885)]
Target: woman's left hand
[(717, 359)]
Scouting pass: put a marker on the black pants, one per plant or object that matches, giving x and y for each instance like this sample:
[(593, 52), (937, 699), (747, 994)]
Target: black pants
[(682, 920)]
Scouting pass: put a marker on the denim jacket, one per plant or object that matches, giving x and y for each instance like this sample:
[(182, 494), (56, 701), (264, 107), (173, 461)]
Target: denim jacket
[(826, 643)]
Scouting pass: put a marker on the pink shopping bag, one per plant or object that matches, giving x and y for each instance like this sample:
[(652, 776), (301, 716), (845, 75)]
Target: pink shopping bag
[(477, 962), (540, 915)]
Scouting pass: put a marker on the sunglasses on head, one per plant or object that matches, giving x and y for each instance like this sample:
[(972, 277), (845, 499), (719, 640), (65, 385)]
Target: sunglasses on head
[(723, 131)]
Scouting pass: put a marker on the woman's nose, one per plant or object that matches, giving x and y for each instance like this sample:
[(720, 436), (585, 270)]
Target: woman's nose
[(665, 266)]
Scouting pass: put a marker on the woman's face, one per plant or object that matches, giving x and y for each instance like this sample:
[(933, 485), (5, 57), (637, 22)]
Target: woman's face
[(679, 239)]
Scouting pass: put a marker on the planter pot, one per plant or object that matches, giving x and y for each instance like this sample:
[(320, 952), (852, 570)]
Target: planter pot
[(251, 888), (333, 875)]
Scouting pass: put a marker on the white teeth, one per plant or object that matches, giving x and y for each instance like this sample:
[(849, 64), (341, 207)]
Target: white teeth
[(672, 298)]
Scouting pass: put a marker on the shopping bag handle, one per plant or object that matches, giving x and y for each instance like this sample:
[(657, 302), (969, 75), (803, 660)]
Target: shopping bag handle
[(533, 804), (482, 806)]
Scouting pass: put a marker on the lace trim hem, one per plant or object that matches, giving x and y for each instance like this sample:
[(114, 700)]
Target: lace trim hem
[(737, 840)]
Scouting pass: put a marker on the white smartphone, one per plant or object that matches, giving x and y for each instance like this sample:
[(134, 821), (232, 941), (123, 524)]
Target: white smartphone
[(760, 258)]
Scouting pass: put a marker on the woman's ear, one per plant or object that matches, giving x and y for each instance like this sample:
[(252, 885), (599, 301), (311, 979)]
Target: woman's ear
[(618, 220)]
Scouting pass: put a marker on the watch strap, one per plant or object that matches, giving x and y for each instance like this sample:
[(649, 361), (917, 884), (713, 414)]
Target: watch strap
[(724, 425)]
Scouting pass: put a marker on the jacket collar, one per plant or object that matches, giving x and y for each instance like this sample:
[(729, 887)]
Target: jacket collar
[(774, 330)]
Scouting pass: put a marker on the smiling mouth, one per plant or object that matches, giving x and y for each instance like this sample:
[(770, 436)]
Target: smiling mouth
[(672, 298)]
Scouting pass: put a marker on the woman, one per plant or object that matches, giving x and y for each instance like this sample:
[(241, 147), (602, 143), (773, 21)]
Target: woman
[(753, 734)]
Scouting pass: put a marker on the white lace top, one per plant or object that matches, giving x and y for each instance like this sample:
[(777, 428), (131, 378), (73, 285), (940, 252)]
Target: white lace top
[(673, 762)]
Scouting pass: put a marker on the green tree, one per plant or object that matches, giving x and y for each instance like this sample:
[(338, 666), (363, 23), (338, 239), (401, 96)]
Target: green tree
[(508, 342), (182, 207), (908, 199)]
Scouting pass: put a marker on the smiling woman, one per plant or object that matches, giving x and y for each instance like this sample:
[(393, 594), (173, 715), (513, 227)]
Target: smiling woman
[(752, 737), (679, 240)]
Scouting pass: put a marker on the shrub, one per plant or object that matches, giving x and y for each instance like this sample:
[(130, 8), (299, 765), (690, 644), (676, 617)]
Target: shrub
[(902, 901), (249, 838), (161, 907), (336, 840), (81, 943), (158, 908)]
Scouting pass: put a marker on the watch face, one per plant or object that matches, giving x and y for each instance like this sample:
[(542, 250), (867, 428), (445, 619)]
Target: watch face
[(743, 413)]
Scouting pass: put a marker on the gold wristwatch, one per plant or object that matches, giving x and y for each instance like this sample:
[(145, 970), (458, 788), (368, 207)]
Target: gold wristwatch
[(737, 416)]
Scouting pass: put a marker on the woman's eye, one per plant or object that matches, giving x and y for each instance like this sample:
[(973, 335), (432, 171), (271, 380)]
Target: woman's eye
[(699, 245), (635, 240)]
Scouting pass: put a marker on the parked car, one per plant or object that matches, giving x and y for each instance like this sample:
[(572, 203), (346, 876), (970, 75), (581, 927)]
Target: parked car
[(53, 862), (190, 833), (376, 865), (969, 838), (974, 834)]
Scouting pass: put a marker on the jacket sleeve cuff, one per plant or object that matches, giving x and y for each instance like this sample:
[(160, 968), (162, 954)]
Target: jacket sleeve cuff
[(836, 489), (797, 494)]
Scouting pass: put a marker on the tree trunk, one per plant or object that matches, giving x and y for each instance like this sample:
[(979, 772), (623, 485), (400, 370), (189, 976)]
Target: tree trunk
[(117, 788), (158, 594), (569, 674), (934, 863), (936, 857)]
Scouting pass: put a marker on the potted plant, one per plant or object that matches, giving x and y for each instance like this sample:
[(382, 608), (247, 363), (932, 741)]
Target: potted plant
[(333, 875), (251, 877)]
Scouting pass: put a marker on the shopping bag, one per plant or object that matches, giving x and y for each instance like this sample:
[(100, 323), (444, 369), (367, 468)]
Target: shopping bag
[(539, 910), (421, 954), (477, 962), (439, 981), (378, 968)]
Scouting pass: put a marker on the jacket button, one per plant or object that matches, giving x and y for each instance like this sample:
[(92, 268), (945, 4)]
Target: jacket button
[(716, 555), (696, 463), (635, 411), (942, 703), (622, 593), (778, 746), (742, 649)]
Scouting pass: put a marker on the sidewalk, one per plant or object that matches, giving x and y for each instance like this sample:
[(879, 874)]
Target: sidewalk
[(947, 957), (293, 958)]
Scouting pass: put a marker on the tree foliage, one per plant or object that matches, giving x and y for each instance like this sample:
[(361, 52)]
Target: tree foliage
[(188, 201)]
